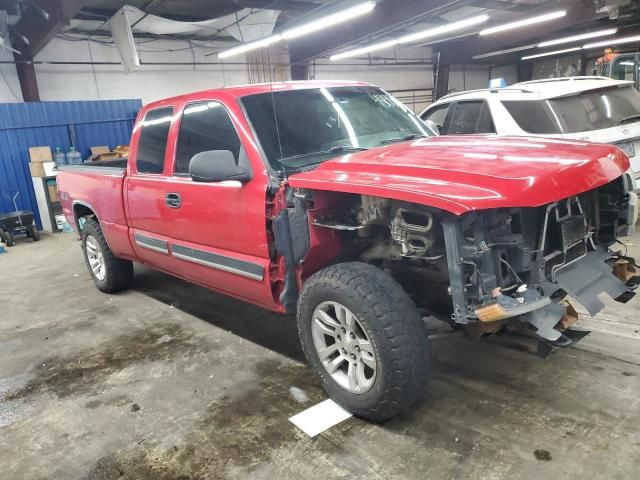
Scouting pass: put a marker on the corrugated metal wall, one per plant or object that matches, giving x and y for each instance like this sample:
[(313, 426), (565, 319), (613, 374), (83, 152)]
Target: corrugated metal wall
[(56, 124)]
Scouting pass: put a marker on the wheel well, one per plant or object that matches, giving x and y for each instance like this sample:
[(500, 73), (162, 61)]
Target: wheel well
[(79, 211)]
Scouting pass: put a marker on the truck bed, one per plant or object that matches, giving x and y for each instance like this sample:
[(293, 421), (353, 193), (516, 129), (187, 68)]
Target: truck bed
[(98, 186)]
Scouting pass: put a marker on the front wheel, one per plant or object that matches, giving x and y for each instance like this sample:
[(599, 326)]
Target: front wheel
[(109, 273), (364, 339)]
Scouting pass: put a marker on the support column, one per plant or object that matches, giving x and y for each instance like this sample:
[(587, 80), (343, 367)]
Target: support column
[(441, 81), (27, 76), (300, 71), (525, 70)]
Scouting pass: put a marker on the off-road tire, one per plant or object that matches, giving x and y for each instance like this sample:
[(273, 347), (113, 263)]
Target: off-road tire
[(118, 272), (395, 330)]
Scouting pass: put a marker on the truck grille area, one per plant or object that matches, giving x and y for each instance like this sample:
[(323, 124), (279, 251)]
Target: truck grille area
[(572, 231)]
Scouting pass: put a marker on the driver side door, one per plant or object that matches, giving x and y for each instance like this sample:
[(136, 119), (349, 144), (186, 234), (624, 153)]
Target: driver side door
[(217, 230)]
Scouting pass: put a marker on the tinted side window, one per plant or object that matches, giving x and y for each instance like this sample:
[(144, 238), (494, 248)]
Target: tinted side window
[(532, 116), (437, 116), (204, 126), (154, 131), (466, 117), (485, 124)]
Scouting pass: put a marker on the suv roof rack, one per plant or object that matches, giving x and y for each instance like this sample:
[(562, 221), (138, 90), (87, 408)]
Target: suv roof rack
[(564, 79), (490, 90)]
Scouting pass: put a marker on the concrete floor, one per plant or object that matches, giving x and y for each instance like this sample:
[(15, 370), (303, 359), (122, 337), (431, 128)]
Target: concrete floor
[(170, 381)]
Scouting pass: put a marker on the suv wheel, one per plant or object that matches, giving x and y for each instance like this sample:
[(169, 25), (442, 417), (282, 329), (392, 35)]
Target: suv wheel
[(364, 339), (109, 273)]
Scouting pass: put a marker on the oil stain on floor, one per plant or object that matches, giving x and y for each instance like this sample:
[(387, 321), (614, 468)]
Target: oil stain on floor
[(237, 432), (81, 372)]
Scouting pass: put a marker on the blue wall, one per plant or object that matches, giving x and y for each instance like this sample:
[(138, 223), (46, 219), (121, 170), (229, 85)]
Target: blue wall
[(56, 124)]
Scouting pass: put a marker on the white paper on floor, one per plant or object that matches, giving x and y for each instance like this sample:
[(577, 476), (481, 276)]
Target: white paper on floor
[(320, 417)]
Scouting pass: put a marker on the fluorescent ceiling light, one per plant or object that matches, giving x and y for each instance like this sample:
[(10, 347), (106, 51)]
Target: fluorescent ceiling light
[(367, 49), (524, 23), (613, 41), (503, 52), (329, 20), (413, 37), (599, 33), (546, 54), (263, 42), (450, 27), (304, 29)]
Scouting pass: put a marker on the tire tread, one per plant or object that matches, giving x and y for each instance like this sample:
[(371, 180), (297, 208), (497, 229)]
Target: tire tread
[(119, 272), (401, 338)]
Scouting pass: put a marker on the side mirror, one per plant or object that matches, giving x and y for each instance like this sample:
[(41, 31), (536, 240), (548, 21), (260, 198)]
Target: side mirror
[(433, 126), (216, 166)]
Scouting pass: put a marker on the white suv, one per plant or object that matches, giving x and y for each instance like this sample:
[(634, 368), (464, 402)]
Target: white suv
[(596, 109)]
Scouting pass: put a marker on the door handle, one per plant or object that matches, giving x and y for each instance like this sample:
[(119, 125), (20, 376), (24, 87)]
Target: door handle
[(172, 200)]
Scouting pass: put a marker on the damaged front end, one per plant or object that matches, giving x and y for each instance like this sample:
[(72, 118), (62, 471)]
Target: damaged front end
[(514, 268), (487, 271)]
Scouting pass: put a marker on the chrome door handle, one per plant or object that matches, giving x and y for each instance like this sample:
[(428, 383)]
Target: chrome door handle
[(173, 200)]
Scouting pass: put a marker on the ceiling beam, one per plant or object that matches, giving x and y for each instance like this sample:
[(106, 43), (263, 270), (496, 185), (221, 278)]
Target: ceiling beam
[(42, 20)]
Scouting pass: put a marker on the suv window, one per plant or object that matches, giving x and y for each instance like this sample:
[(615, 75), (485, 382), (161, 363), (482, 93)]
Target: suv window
[(204, 126), (471, 117), (437, 116), (623, 68), (152, 145), (596, 109), (532, 116)]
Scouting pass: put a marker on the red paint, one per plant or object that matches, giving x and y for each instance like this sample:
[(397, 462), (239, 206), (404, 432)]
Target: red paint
[(457, 174), (463, 173)]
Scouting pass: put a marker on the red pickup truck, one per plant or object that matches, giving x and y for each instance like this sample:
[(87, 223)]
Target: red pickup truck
[(333, 201)]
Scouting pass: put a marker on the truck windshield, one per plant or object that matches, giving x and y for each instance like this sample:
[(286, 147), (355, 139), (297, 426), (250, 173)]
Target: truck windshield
[(597, 109), (299, 128)]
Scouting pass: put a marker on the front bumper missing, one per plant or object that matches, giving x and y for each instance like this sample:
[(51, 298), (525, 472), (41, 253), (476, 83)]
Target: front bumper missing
[(590, 277), (594, 274)]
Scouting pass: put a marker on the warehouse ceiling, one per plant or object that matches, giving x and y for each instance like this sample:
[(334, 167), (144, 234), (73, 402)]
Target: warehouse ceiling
[(33, 23)]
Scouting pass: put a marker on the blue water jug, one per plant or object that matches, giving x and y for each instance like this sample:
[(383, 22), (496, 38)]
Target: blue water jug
[(74, 157), (59, 158)]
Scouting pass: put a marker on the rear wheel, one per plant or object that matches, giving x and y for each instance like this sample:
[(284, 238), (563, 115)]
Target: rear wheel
[(363, 337), (8, 239), (109, 273), (34, 233)]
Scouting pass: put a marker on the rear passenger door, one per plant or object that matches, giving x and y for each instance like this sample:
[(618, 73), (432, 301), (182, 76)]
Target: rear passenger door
[(469, 117), (145, 188)]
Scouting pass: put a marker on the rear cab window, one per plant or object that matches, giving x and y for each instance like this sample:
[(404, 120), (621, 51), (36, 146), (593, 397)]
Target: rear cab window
[(152, 143), (206, 126)]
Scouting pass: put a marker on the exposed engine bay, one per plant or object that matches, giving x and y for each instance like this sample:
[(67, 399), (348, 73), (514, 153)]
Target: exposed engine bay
[(492, 270)]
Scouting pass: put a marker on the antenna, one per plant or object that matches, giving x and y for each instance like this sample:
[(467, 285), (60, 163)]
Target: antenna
[(275, 119)]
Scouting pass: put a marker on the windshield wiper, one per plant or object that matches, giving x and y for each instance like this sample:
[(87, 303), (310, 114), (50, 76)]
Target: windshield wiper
[(406, 138), (635, 116), (332, 150)]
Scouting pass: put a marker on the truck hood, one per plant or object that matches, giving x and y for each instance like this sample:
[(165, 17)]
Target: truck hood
[(471, 172)]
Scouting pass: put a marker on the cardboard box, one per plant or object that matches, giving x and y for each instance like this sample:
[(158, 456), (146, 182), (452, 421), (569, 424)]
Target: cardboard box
[(40, 155), (53, 193), (44, 169), (103, 152), (99, 150)]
